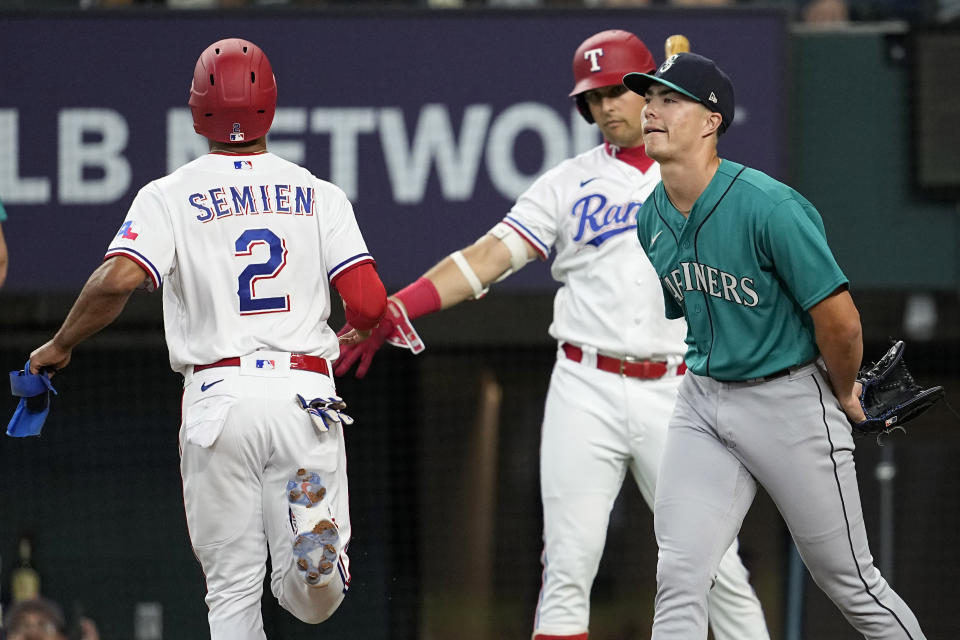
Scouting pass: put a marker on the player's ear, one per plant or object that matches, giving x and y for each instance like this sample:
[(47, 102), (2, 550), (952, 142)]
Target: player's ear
[(711, 123)]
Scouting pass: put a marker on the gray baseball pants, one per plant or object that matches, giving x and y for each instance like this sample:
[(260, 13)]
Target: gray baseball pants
[(789, 435)]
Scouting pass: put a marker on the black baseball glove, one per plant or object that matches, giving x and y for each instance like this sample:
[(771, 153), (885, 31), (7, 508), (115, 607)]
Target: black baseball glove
[(890, 397)]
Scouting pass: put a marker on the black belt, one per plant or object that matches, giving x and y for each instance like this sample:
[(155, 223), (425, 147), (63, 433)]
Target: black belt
[(778, 374)]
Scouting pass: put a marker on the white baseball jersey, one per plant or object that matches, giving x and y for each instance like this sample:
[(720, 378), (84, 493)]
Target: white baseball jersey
[(596, 422), (247, 246), (586, 207)]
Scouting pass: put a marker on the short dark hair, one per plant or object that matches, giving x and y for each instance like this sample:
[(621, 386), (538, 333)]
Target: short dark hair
[(43, 606)]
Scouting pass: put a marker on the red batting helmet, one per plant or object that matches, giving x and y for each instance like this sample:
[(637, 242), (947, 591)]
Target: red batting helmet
[(234, 94), (603, 59)]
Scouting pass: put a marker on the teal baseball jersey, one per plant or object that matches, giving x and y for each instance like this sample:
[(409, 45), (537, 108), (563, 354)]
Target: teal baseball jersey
[(3, 213), (744, 268)]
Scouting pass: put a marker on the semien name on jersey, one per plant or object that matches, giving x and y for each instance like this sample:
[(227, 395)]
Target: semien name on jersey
[(223, 202)]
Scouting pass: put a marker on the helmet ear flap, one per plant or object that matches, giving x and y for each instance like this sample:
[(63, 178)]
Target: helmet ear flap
[(583, 108)]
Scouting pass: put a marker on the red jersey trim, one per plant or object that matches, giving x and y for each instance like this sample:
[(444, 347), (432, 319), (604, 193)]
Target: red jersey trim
[(140, 260), (236, 155)]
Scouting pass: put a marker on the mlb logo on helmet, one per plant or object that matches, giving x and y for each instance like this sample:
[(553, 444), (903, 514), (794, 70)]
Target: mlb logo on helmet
[(236, 135), (269, 365)]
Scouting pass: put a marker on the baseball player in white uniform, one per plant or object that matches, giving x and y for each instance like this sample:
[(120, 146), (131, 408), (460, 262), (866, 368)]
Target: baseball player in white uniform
[(619, 361), (247, 245)]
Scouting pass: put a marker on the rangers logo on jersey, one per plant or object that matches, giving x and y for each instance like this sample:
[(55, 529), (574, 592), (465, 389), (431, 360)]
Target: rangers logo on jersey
[(598, 222)]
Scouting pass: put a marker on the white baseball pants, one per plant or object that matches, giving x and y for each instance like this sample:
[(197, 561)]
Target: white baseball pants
[(235, 495), (596, 426)]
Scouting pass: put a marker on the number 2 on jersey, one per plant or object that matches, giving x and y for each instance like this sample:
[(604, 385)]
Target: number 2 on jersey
[(246, 284)]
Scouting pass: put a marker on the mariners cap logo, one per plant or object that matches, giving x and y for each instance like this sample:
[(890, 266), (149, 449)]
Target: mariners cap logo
[(713, 97), (667, 63)]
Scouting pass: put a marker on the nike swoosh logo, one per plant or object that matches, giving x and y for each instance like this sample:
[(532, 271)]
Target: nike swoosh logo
[(606, 235), (207, 385), (584, 183), (654, 238)]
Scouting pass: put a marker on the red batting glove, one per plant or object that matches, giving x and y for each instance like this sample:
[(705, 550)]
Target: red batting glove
[(363, 351), (395, 327)]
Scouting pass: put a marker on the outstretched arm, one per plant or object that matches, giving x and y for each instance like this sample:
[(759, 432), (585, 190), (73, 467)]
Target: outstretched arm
[(460, 276), (99, 303), (840, 338), (488, 258)]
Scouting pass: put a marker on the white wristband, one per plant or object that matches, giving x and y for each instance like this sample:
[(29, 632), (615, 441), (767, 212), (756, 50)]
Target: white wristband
[(464, 265)]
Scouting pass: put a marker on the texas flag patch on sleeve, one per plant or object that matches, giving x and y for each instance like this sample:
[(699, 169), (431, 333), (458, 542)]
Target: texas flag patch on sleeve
[(126, 231)]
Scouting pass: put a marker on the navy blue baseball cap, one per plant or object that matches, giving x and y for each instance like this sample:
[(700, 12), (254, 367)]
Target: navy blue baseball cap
[(694, 76)]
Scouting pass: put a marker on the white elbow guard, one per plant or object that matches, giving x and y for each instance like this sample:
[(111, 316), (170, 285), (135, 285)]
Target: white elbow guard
[(464, 265), (515, 244)]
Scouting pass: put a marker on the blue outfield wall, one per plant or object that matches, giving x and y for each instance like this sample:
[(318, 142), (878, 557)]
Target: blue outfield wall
[(432, 122)]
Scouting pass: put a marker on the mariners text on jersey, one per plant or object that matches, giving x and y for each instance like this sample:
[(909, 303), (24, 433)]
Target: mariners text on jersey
[(693, 276), (223, 202)]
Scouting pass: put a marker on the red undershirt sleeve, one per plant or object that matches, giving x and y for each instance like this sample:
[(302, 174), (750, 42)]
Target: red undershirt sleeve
[(364, 295)]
